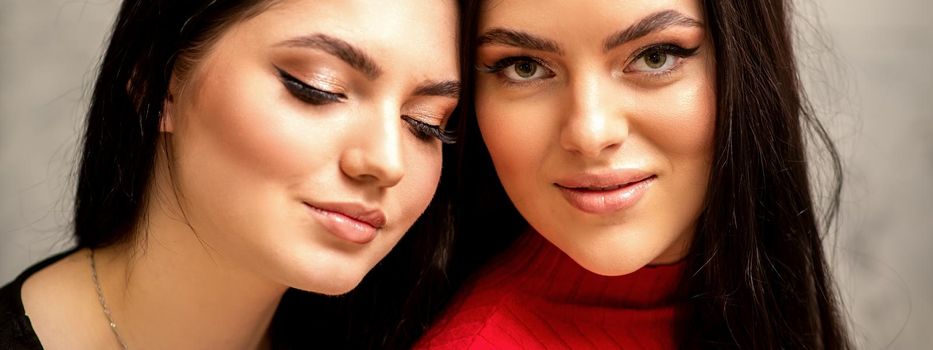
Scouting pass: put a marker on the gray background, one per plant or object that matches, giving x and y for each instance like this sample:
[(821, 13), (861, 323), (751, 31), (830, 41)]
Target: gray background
[(867, 66)]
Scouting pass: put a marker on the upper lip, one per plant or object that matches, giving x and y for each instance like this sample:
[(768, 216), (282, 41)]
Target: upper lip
[(602, 180), (366, 214)]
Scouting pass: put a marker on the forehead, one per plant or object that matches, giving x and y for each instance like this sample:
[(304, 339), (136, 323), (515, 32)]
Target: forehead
[(419, 32), (570, 21)]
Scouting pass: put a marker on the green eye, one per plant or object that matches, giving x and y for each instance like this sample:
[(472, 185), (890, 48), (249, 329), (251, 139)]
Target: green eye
[(659, 58), (526, 69), (655, 59), (519, 69)]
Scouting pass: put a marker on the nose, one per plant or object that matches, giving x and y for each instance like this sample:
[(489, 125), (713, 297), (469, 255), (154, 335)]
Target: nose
[(375, 155), (596, 122)]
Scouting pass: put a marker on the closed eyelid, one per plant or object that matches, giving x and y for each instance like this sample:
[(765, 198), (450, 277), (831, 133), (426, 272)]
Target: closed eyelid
[(426, 130), (306, 92), (426, 119), (292, 78), (430, 113)]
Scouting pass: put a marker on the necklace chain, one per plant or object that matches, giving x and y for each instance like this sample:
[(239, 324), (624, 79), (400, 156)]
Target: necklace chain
[(103, 303)]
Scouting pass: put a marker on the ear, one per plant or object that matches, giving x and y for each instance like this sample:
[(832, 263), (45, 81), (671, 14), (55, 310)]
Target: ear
[(167, 122)]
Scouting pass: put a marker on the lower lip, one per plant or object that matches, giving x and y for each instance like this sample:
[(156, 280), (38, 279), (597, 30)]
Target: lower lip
[(607, 202), (343, 226)]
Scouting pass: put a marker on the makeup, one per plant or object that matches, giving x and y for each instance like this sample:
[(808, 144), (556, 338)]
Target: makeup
[(605, 193), (307, 93), (351, 222)]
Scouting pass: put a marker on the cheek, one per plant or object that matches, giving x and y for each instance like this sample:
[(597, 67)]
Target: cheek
[(695, 146), (235, 136), (679, 123), (423, 171), (517, 135)]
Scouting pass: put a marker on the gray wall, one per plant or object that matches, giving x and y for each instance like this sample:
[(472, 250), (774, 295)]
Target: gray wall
[(48, 52), (868, 67), (882, 116)]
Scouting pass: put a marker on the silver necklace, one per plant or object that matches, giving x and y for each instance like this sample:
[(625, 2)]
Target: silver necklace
[(103, 303)]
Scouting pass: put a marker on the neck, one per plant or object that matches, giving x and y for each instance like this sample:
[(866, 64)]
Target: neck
[(169, 290)]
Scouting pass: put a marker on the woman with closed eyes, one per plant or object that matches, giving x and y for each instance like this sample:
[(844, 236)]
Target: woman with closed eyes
[(238, 149), (635, 177)]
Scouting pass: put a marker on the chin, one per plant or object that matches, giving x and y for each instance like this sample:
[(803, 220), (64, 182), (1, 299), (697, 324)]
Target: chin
[(337, 289), (609, 259), (610, 268), (328, 279), (333, 287)]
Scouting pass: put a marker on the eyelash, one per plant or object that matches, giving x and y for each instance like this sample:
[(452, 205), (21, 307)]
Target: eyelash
[(499, 66), (318, 97), (308, 93), (424, 131), (665, 49)]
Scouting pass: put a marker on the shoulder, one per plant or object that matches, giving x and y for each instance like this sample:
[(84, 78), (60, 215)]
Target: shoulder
[(16, 331), (60, 300)]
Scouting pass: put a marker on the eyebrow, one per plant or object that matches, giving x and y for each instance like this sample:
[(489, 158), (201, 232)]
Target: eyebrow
[(654, 22), (516, 38), (355, 57), (448, 88)]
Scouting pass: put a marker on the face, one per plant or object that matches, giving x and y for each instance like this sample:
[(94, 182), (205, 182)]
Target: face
[(599, 118), (306, 140)]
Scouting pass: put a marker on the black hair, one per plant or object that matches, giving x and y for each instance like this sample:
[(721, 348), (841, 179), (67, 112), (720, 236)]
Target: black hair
[(154, 40), (150, 41), (756, 272)]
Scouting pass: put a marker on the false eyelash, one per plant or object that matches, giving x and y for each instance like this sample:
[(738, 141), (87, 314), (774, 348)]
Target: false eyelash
[(425, 131), (308, 93), (666, 49), (497, 68), (504, 63)]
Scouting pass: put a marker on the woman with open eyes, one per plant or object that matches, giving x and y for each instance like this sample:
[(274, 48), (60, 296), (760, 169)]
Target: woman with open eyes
[(234, 150), (635, 177)]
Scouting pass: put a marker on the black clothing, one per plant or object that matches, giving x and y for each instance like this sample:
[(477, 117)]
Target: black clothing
[(15, 329)]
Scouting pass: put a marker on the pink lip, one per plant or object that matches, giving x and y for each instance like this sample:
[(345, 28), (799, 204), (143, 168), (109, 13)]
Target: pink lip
[(605, 193), (350, 221)]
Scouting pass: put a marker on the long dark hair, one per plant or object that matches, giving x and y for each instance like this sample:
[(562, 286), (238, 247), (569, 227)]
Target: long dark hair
[(150, 41), (757, 274)]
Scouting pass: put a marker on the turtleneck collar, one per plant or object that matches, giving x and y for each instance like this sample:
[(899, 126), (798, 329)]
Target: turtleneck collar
[(549, 273), (533, 296)]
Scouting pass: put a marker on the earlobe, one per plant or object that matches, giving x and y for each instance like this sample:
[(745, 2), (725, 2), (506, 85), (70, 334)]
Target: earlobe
[(167, 122)]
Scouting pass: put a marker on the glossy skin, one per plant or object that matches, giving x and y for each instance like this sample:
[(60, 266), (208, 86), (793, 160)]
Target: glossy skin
[(603, 145), (246, 122), (291, 162)]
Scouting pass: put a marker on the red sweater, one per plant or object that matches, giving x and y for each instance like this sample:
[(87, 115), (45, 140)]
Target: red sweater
[(535, 297)]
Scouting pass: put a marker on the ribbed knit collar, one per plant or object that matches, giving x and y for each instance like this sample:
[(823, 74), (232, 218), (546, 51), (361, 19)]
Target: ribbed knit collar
[(548, 272)]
